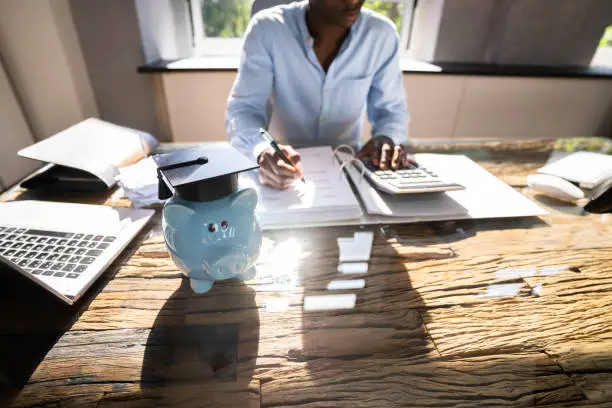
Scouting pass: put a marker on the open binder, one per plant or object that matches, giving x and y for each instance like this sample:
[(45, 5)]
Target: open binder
[(86, 157), (331, 199)]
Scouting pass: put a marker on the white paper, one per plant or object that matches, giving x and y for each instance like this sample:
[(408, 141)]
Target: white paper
[(349, 268), (552, 270), (329, 302), (327, 195), (95, 146), (503, 290), (139, 182), (274, 305), (356, 249), (346, 284), (515, 273)]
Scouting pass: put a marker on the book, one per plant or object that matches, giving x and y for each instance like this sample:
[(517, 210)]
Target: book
[(93, 147)]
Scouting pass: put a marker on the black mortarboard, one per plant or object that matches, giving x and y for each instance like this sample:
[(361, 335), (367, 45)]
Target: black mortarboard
[(203, 173)]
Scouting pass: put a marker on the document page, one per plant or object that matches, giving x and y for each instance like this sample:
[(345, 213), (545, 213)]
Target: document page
[(326, 195)]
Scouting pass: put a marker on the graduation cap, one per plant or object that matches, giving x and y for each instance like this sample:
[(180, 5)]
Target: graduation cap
[(202, 173)]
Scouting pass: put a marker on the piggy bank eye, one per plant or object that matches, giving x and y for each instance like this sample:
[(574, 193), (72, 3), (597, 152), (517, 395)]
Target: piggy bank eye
[(224, 225), (212, 227)]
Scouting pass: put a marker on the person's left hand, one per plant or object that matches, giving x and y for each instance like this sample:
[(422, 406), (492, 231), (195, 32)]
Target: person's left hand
[(385, 154)]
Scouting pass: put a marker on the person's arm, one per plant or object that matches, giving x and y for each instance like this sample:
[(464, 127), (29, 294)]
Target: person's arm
[(387, 111), (247, 109), (387, 107)]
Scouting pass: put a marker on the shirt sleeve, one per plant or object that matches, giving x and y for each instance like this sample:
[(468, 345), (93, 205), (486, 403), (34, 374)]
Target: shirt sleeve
[(247, 108), (387, 107)]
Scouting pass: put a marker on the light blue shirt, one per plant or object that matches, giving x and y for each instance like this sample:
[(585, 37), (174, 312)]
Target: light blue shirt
[(279, 71)]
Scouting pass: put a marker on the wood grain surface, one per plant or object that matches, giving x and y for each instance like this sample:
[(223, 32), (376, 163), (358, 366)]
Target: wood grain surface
[(473, 313)]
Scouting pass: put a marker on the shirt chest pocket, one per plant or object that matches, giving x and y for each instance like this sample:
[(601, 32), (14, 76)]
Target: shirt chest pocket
[(348, 99)]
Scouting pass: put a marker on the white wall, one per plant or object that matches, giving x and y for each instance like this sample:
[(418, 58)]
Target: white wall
[(43, 60), (112, 48), (15, 135), (164, 28), (442, 107)]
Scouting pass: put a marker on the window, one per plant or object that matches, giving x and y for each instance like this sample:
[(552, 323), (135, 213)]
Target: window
[(603, 55), (400, 12), (219, 25)]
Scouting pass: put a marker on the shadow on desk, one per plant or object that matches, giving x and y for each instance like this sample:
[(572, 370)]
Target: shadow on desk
[(202, 349), (33, 320), (420, 333)]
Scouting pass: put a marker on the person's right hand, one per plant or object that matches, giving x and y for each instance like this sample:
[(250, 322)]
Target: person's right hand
[(274, 172)]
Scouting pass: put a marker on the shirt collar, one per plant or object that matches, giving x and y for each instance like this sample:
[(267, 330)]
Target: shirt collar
[(307, 39)]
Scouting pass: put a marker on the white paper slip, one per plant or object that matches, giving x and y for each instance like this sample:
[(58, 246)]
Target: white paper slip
[(356, 249), (512, 273), (364, 241), (349, 268), (552, 270), (503, 290), (276, 305), (329, 302), (346, 284), (349, 251)]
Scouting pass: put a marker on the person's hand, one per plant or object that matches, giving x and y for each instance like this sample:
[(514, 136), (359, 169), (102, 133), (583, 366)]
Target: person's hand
[(385, 154), (274, 172)]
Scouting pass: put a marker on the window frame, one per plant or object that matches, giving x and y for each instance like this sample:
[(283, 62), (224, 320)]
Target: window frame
[(210, 47)]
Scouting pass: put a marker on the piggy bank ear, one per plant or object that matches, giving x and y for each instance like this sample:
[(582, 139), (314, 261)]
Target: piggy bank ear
[(245, 200), (177, 213)]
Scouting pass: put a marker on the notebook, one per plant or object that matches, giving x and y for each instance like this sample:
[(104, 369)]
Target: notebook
[(325, 197)]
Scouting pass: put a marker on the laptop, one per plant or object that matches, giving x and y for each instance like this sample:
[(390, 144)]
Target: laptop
[(65, 247)]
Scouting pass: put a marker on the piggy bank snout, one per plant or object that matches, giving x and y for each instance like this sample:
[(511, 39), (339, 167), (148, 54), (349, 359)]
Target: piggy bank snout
[(228, 265)]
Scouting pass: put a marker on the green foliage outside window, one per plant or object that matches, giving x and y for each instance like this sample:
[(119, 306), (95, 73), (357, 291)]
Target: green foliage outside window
[(230, 18), (225, 18), (392, 10), (606, 40)]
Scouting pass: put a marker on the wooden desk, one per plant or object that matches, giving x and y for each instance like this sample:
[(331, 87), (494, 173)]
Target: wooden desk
[(458, 314)]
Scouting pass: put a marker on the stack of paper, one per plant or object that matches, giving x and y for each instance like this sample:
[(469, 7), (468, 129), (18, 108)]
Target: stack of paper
[(326, 196), (139, 182)]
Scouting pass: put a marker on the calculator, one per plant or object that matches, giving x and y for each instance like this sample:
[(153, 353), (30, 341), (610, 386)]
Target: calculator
[(413, 179)]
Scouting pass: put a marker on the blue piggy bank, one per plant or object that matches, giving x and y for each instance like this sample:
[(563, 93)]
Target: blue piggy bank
[(213, 240)]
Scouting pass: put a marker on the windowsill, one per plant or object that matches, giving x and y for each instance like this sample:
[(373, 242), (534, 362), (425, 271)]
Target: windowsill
[(228, 63)]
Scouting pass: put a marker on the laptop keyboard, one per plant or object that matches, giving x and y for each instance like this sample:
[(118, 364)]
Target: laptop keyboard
[(51, 253)]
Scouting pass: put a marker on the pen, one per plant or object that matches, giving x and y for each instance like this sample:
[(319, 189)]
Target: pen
[(277, 149)]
